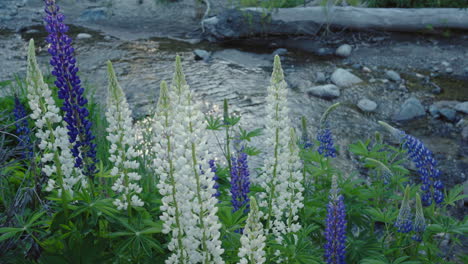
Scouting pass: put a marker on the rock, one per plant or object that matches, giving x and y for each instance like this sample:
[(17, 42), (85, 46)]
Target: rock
[(280, 52), (434, 111), (356, 66), (449, 70), (367, 105), (393, 75), (445, 64), (320, 77), (465, 70), (327, 91), (448, 114), (201, 54), (462, 107), (83, 36), (323, 52), (344, 78), (464, 134), (409, 110), (419, 75), (344, 50), (366, 69), (93, 14)]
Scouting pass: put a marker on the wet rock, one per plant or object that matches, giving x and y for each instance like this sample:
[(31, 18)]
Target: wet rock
[(201, 54), (367, 105), (344, 78), (462, 107), (448, 114), (93, 14), (410, 109), (320, 77), (393, 75), (344, 50), (328, 91), (83, 36), (280, 52)]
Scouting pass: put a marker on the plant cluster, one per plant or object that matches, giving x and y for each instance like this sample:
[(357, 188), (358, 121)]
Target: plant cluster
[(171, 200)]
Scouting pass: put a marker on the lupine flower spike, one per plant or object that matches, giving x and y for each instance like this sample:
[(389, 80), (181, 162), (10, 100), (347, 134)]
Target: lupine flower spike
[(57, 159), (419, 225), (175, 195), (431, 185), (281, 180), (22, 128), (335, 233), (324, 135), (215, 177), (191, 169), (70, 90), (240, 182), (122, 149), (404, 222), (252, 250)]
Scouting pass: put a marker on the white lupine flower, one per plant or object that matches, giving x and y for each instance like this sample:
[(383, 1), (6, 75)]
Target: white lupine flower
[(121, 151), (186, 181), (57, 158), (253, 239), (282, 176)]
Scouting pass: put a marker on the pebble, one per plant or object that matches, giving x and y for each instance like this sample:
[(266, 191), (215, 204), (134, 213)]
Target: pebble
[(409, 110), (327, 91), (393, 75), (83, 36), (367, 105), (344, 50), (344, 78), (449, 70)]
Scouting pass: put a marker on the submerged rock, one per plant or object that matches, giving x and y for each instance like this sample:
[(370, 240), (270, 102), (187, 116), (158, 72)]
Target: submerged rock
[(367, 105), (328, 91), (410, 109), (344, 50), (344, 78)]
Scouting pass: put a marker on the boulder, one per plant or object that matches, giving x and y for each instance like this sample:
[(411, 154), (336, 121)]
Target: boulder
[(327, 91), (409, 110), (344, 78)]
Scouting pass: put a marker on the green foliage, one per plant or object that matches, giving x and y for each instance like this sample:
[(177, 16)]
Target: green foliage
[(417, 3)]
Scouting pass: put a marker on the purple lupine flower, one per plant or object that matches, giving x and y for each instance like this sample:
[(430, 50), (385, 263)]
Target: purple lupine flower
[(70, 90), (335, 232), (215, 178), (326, 148), (431, 185), (22, 128), (240, 182)]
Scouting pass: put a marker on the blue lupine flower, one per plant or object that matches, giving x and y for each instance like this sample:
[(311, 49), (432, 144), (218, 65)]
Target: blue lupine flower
[(419, 221), (335, 232), (215, 178), (22, 128), (240, 182), (431, 185), (326, 148), (404, 222), (70, 90)]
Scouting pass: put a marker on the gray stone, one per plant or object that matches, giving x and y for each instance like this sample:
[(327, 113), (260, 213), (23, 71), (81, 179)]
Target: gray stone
[(445, 63), (280, 52), (83, 36), (344, 50), (201, 54), (367, 105), (449, 70), (327, 91), (448, 114), (434, 110), (462, 107), (344, 78), (320, 77), (409, 110), (93, 14), (393, 75)]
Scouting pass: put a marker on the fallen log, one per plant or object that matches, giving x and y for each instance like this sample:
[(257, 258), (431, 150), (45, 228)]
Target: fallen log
[(235, 24)]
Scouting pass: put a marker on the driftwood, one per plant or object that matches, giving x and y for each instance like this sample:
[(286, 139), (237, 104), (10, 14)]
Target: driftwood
[(305, 20)]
